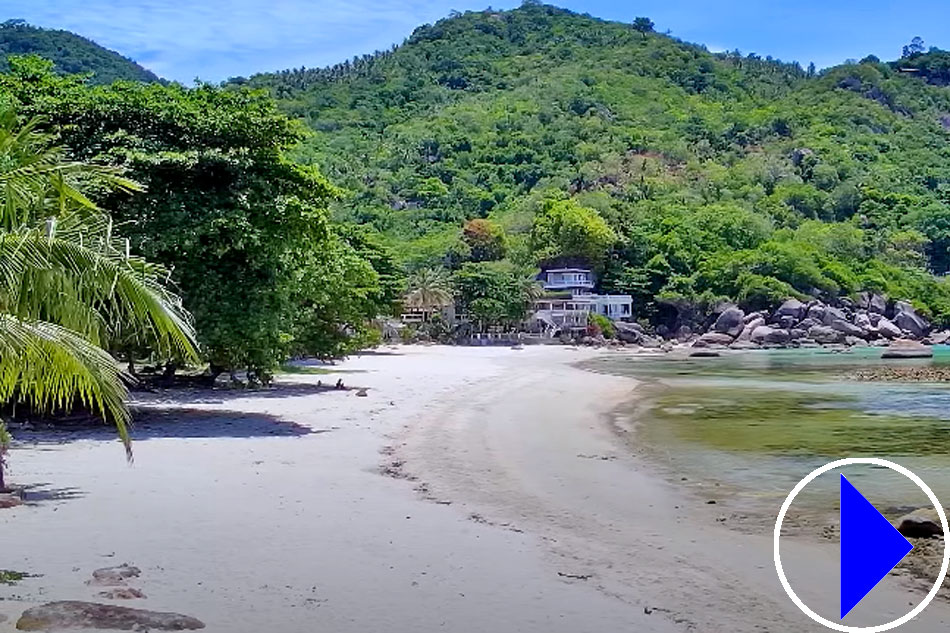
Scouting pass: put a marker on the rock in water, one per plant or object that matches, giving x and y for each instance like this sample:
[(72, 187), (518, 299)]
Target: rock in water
[(704, 353), (903, 348), (72, 614), (922, 523), (940, 338)]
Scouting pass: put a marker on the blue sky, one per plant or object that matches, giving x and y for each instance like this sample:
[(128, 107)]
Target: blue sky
[(217, 39)]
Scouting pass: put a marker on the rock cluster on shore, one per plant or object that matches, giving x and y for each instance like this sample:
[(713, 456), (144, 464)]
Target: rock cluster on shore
[(870, 321)]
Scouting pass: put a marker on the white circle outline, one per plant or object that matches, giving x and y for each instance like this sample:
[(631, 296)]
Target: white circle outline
[(874, 461)]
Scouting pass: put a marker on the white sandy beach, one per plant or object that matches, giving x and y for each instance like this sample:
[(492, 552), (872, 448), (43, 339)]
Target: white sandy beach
[(472, 489)]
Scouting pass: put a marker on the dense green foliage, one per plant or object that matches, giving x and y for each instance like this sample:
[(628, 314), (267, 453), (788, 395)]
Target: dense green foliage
[(69, 288), (494, 294), (70, 53), (699, 175), (244, 231)]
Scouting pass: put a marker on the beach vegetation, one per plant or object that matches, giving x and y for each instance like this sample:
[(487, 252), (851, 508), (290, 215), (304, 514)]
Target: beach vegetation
[(70, 289)]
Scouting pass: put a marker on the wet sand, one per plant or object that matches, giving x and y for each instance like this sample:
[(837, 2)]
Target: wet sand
[(471, 489)]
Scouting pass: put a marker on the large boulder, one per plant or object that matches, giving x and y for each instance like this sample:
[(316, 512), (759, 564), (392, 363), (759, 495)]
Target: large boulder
[(72, 614), (887, 329), (832, 314), (750, 327), (849, 329), (921, 523), (826, 335), (816, 312), (863, 321), (752, 316), (786, 321), (629, 332), (903, 348), (769, 335), (940, 338), (791, 308), (907, 319), (872, 302), (730, 321)]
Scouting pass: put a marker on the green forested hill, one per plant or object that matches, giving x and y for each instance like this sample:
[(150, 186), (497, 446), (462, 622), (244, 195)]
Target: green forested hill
[(71, 53), (722, 175)]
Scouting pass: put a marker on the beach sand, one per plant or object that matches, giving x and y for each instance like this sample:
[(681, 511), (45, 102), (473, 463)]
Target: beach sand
[(471, 489)]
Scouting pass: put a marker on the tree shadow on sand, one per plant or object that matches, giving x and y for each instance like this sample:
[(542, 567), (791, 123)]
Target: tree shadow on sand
[(297, 389), (181, 423), (35, 494)]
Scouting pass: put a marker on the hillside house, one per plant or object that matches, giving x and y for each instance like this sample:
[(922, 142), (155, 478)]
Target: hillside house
[(569, 300)]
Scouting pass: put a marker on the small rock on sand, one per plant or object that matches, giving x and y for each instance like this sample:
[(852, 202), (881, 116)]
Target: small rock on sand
[(922, 523), (10, 501), (113, 576), (123, 593), (73, 614)]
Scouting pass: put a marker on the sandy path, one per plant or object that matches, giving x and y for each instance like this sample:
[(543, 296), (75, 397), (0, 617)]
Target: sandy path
[(530, 450), (250, 523), (250, 531)]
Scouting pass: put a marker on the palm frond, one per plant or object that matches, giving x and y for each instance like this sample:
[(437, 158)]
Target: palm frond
[(50, 368)]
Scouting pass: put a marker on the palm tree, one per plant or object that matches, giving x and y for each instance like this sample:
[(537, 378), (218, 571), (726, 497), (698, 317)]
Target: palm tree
[(429, 289), (68, 287)]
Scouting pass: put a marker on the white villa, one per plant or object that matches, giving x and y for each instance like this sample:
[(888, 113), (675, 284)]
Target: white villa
[(569, 300)]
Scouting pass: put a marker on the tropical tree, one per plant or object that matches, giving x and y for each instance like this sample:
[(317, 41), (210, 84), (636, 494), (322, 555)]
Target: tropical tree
[(643, 25), (496, 294), (69, 288), (429, 289), (245, 229)]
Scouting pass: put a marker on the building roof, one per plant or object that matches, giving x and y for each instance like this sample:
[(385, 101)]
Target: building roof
[(567, 270)]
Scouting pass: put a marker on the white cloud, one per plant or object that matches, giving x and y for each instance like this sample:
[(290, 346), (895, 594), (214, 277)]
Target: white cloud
[(216, 39)]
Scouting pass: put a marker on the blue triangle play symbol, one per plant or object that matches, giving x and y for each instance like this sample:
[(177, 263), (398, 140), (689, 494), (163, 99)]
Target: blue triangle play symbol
[(870, 547)]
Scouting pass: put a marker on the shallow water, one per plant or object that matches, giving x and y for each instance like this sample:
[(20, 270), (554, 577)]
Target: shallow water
[(757, 422)]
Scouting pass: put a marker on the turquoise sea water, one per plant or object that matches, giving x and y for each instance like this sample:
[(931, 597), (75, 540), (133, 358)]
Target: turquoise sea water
[(757, 422)]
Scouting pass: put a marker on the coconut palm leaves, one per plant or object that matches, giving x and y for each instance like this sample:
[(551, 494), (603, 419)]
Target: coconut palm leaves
[(68, 287), (429, 289)]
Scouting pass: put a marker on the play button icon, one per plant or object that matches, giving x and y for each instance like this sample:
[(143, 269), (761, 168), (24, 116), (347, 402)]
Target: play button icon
[(870, 547)]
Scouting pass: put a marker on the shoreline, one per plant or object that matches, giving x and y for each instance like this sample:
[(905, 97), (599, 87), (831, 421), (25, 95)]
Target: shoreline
[(472, 488)]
